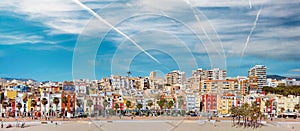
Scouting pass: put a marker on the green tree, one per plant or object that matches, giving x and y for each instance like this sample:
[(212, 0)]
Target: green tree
[(139, 106), (116, 108), (33, 103), (64, 100), (19, 106), (162, 103), (245, 112), (254, 114), (267, 104), (105, 103), (170, 104), (297, 109), (281, 111), (234, 112), (128, 104), (4, 106), (89, 103), (44, 102), (56, 102), (149, 103), (78, 103)]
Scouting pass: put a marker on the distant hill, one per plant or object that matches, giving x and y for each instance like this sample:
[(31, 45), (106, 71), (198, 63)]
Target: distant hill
[(277, 77), (20, 79)]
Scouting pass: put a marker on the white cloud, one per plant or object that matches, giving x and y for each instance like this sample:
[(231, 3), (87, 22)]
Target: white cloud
[(295, 70), (20, 38), (65, 17)]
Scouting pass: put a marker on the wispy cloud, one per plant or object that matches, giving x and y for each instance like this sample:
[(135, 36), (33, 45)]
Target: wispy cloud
[(275, 37), (295, 70), (21, 38)]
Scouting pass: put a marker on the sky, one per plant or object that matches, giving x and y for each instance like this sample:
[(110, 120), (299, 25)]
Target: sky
[(90, 39)]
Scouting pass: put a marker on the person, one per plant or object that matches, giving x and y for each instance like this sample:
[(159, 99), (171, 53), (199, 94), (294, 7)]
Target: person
[(23, 124), (1, 123), (17, 123), (9, 126)]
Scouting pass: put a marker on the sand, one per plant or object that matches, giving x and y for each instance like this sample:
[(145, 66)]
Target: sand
[(149, 125)]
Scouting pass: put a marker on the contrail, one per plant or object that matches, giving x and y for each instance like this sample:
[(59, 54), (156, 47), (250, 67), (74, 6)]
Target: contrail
[(114, 28), (251, 31)]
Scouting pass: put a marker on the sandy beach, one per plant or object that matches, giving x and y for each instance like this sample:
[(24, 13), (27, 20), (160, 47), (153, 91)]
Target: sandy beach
[(148, 125)]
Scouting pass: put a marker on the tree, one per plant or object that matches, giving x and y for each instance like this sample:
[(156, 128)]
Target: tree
[(149, 103), (162, 103), (105, 103), (4, 105), (297, 109), (233, 110), (78, 103), (89, 103), (254, 114), (116, 108), (128, 73), (44, 102), (33, 104), (19, 106), (64, 100), (56, 102), (281, 111), (180, 103), (267, 104), (128, 104), (139, 106), (245, 111), (170, 104)]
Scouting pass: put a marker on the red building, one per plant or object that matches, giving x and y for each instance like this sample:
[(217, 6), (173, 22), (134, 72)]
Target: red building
[(210, 103)]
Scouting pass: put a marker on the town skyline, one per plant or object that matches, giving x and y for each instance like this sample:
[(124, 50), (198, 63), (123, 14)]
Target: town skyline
[(65, 40)]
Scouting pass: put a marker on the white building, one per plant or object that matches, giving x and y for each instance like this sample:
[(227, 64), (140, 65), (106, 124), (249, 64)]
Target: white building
[(259, 71)]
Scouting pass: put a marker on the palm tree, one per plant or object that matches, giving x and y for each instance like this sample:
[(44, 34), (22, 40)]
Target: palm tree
[(233, 110), (170, 104), (33, 104), (105, 103), (128, 104), (297, 107), (44, 102), (78, 103), (139, 106), (128, 73), (149, 103), (64, 101), (162, 103), (4, 105), (281, 111), (19, 106), (245, 112), (89, 103), (254, 114), (267, 104), (56, 102), (116, 108)]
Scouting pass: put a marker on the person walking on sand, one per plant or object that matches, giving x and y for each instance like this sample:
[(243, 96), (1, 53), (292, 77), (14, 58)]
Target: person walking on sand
[(1, 123), (17, 123)]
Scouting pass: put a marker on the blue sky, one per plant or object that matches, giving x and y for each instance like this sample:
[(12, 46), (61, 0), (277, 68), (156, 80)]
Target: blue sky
[(61, 40)]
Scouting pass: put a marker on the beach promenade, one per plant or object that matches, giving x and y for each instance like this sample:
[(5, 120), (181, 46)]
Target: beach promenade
[(146, 124)]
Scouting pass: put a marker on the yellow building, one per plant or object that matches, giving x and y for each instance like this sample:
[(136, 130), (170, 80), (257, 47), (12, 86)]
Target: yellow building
[(225, 103), (287, 102)]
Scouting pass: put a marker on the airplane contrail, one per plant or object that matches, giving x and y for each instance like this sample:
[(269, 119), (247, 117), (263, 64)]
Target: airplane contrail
[(251, 31), (114, 28)]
